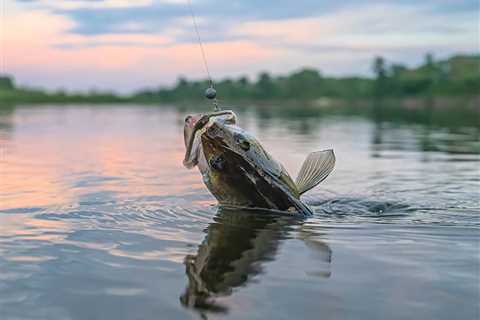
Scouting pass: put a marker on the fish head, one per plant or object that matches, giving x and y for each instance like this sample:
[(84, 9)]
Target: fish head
[(195, 125), (222, 137)]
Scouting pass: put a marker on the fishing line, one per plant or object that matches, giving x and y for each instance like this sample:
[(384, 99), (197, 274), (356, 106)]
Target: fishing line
[(210, 93)]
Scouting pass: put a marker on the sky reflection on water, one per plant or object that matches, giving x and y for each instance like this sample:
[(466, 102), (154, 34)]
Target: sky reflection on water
[(98, 219)]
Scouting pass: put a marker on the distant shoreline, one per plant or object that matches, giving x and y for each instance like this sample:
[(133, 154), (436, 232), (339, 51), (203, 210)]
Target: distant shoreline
[(438, 83), (409, 103)]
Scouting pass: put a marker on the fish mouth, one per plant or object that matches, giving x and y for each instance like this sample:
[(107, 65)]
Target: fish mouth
[(195, 127)]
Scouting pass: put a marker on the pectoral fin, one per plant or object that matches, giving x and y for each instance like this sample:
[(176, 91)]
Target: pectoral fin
[(315, 169)]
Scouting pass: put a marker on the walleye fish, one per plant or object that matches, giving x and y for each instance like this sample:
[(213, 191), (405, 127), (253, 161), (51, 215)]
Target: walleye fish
[(240, 173)]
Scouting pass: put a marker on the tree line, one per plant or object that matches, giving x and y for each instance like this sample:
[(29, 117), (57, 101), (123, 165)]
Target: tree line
[(457, 76)]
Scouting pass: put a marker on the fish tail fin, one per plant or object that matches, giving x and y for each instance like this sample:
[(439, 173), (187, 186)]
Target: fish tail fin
[(315, 169)]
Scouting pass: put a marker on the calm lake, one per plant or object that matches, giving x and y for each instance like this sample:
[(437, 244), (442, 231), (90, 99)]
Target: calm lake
[(100, 220)]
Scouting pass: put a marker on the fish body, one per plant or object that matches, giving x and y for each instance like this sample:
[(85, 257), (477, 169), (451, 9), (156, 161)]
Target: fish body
[(239, 172)]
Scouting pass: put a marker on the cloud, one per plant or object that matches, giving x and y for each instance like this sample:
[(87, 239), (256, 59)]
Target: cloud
[(376, 27), (94, 17), (75, 4), (300, 28), (349, 21), (81, 43)]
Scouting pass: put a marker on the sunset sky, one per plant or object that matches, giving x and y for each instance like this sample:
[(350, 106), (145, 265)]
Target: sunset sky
[(124, 45)]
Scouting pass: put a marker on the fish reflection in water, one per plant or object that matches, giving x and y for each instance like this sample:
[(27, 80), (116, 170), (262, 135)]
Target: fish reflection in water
[(237, 243)]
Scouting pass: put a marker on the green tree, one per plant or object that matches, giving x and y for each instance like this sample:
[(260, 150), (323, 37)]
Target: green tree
[(265, 87), (6, 83), (379, 68), (380, 75), (304, 84)]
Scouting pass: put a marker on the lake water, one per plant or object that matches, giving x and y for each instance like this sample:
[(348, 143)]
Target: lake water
[(100, 220)]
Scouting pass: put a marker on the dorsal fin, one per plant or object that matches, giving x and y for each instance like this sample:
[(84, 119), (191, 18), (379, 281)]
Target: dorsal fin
[(315, 169)]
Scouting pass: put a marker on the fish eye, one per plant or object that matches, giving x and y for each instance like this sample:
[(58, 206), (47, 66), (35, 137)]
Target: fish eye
[(187, 118), (245, 145), (242, 142)]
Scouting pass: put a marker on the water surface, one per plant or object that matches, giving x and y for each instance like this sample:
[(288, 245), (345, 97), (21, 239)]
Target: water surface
[(99, 220)]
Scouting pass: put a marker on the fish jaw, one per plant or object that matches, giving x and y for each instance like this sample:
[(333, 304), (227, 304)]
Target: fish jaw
[(190, 121), (191, 152)]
